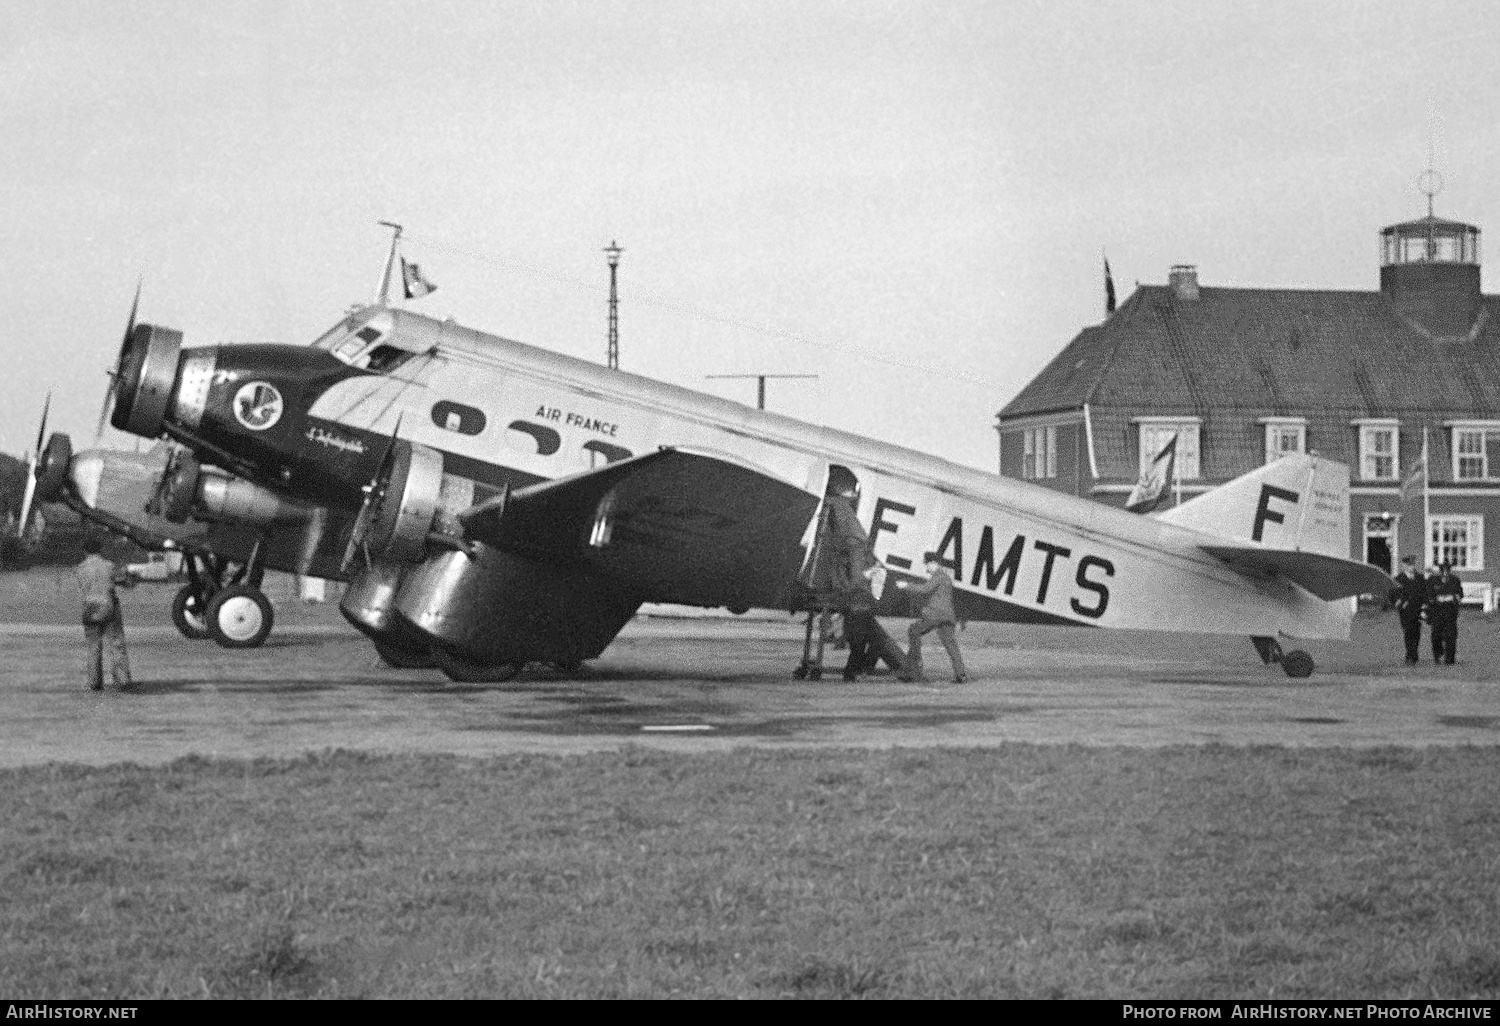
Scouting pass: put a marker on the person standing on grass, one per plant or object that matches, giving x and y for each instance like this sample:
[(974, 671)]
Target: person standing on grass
[(936, 615), (1444, 595), (103, 624), (1410, 597)]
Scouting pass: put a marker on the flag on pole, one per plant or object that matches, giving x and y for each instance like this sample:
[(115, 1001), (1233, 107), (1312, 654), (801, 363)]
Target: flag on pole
[(1148, 491), (1109, 290), (1413, 485), (415, 285)]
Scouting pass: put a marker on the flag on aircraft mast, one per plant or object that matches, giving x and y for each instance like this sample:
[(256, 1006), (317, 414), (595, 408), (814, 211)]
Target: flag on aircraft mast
[(1109, 289), (1148, 491), (415, 285)]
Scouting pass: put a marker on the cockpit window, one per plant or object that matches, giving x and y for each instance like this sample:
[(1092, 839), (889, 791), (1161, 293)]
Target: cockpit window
[(364, 339), (335, 334), (386, 358)]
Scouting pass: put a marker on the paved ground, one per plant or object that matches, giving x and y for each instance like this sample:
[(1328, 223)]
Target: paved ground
[(704, 684)]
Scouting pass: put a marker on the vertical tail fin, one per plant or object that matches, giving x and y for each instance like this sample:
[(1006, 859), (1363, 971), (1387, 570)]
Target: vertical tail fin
[(1299, 503)]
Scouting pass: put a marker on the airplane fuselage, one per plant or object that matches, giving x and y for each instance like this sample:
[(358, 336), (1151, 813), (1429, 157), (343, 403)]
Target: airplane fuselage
[(312, 421)]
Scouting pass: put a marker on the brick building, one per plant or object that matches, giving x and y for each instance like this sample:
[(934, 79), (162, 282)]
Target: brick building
[(1243, 375)]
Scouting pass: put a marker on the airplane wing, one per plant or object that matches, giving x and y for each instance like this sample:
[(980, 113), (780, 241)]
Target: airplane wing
[(1328, 577), (673, 525)]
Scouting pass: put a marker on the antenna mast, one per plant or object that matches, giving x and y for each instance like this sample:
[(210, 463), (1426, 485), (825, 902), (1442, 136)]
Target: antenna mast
[(612, 355)]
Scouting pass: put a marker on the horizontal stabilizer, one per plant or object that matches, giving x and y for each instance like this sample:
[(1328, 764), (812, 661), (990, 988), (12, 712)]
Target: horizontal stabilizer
[(1328, 577)]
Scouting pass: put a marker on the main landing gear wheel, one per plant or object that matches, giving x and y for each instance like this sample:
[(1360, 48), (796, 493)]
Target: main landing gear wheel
[(189, 613), (239, 617), (401, 657), (467, 671), (1297, 663)]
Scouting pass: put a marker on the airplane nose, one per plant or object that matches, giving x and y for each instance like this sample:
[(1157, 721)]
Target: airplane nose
[(85, 471)]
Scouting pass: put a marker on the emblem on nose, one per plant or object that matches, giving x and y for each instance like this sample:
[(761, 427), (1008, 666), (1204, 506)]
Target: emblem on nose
[(257, 405)]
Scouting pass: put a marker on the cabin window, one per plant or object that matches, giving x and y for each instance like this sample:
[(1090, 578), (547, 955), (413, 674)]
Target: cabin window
[(1377, 452), (1039, 456), (1458, 540)]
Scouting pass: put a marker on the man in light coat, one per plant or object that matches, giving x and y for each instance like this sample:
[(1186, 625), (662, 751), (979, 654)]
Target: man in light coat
[(936, 615)]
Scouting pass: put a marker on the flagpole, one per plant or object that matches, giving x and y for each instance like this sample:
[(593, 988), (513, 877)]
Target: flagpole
[(390, 262), (1426, 501)]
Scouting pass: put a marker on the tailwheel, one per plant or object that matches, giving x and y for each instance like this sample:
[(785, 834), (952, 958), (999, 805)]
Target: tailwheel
[(190, 613), (403, 657), (468, 671), (239, 617), (1297, 663)]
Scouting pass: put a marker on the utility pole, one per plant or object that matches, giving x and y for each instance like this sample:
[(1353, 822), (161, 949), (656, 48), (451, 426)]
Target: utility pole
[(760, 392), (612, 254)]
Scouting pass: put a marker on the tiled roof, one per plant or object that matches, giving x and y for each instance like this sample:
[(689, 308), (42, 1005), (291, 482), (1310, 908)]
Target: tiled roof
[(1235, 355)]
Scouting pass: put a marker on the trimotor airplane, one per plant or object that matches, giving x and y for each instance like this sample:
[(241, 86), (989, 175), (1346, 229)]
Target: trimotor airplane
[(492, 504)]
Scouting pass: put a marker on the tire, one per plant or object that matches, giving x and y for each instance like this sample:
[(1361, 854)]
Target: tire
[(239, 617), (1297, 663), (189, 614), (466, 671), (401, 657)]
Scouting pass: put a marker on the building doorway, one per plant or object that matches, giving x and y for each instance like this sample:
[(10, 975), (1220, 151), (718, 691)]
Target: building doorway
[(1380, 539)]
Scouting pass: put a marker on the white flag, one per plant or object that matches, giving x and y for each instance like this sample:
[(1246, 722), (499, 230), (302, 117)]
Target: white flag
[(416, 285), (1412, 486), (1149, 490)]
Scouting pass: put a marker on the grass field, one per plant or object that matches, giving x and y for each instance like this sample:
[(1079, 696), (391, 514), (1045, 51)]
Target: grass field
[(1017, 872)]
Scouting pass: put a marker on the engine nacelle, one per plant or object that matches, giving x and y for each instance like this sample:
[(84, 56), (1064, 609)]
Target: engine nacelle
[(144, 379), (235, 500), (410, 497)]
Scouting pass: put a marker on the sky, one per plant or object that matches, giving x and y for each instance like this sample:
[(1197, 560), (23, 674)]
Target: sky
[(910, 200)]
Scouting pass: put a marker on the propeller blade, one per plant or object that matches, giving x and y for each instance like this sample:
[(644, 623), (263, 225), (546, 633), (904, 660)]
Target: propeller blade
[(107, 408), (31, 463), (369, 509)]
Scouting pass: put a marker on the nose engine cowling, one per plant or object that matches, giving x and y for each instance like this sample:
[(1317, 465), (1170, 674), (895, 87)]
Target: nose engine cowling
[(144, 379)]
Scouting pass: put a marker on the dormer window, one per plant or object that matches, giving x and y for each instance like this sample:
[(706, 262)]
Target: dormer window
[(1284, 435), (1378, 449)]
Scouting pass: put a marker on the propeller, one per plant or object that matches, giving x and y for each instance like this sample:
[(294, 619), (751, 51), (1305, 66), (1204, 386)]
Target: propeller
[(107, 408), (371, 508), (31, 465)]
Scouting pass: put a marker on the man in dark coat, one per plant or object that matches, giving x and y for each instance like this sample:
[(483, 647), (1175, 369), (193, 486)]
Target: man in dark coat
[(1444, 594), (1409, 597), (854, 567)]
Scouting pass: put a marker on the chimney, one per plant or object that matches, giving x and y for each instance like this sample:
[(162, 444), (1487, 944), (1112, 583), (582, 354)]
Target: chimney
[(1184, 281)]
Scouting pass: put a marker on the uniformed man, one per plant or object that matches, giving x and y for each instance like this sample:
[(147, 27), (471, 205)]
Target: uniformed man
[(1409, 597), (1444, 595), (103, 625)]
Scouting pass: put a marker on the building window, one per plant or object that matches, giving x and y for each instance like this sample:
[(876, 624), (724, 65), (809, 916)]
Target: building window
[(1476, 453), (1283, 437), (1377, 452), (1039, 458), (1156, 434), (1458, 540)]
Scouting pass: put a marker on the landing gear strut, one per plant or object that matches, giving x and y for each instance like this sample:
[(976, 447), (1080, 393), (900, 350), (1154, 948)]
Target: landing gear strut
[(234, 612), (1295, 663)]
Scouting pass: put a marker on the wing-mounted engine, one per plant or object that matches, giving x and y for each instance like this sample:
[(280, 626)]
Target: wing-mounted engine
[(404, 506), (187, 489)]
